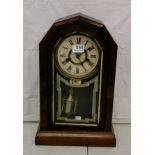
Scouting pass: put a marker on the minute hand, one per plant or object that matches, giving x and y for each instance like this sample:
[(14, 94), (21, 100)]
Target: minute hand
[(81, 62)]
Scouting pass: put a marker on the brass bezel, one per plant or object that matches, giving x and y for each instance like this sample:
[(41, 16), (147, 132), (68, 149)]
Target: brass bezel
[(64, 73)]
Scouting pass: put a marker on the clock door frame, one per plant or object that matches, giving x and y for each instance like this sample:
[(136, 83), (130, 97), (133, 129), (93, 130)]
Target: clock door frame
[(103, 134)]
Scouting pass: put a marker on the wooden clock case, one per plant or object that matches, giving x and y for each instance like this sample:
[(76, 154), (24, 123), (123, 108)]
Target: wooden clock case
[(50, 134)]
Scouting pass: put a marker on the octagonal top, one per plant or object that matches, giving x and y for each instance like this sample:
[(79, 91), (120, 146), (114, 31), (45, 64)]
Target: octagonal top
[(79, 17), (78, 22)]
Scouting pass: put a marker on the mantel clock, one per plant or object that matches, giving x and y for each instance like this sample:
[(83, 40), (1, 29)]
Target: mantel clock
[(77, 59)]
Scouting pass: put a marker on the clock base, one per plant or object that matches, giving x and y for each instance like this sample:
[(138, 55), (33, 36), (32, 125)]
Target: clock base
[(76, 138)]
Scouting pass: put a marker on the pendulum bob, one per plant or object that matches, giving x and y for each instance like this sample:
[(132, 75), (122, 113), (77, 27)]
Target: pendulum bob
[(69, 105)]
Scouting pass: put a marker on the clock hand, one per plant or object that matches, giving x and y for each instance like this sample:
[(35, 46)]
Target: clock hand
[(78, 57)]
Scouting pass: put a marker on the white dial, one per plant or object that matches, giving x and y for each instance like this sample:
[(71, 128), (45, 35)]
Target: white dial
[(77, 56)]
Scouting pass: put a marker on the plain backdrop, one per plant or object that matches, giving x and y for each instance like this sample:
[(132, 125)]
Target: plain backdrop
[(39, 15)]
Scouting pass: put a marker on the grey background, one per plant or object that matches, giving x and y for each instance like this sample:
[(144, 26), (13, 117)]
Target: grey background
[(39, 15)]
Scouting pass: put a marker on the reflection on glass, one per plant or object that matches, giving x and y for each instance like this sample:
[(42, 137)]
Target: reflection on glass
[(77, 103), (69, 104)]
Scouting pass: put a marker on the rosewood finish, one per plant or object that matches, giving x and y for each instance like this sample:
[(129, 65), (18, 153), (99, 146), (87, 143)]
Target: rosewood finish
[(51, 134)]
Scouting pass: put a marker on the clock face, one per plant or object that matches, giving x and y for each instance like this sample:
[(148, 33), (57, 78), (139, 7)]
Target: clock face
[(77, 56)]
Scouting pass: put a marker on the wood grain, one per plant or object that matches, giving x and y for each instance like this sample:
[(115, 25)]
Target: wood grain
[(51, 134), (76, 138)]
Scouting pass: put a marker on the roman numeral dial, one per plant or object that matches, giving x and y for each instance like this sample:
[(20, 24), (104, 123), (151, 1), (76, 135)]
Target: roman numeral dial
[(77, 56)]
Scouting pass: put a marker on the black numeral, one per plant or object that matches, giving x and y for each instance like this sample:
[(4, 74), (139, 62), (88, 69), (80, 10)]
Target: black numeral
[(69, 68), (86, 42), (71, 42), (64, 62), (65, 47), (90, 48), (62, 55), (77, 70), (93, 56), (90, 63), (78, 40)]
